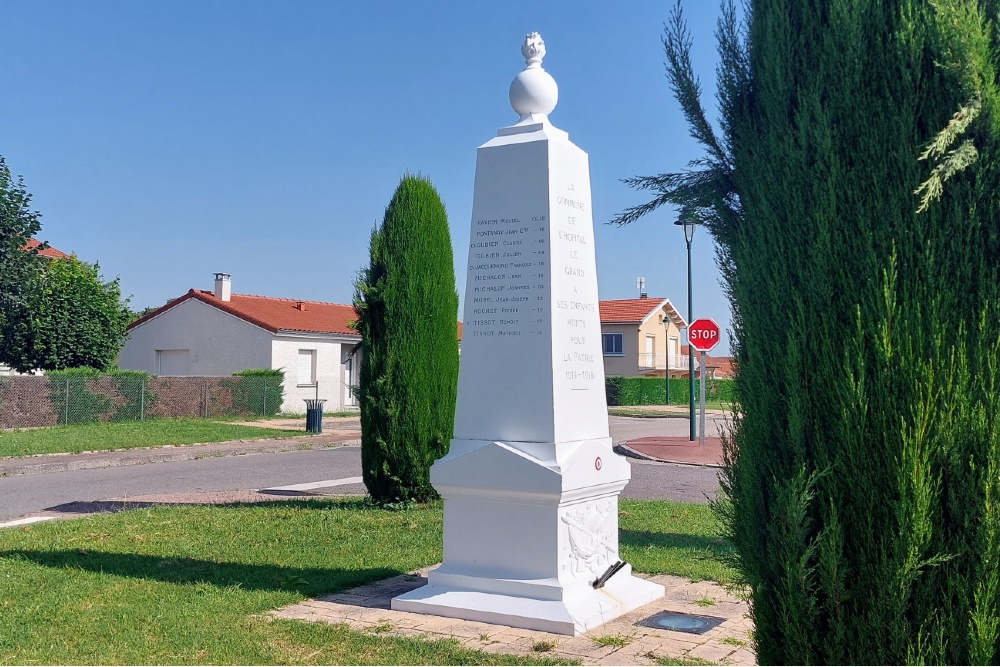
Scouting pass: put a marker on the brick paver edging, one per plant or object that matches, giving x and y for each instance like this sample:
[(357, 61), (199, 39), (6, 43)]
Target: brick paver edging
[(620, 642)]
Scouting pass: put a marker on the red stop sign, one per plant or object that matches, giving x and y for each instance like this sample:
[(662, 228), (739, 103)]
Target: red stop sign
[(703, 334)]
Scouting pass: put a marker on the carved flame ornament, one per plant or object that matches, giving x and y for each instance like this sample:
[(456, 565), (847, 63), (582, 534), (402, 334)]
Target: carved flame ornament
[(533, 49)]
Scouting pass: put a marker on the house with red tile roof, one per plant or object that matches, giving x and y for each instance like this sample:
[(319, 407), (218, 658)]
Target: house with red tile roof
[(212, 333), (47, 253), (642, 337)]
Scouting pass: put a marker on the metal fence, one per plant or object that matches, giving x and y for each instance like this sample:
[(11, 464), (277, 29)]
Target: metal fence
[(29, 401)]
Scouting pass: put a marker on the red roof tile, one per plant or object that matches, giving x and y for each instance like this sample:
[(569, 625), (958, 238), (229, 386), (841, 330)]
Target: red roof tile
[(725, 366), (276, 314), (50, 253), (273, 314), (628, 310)]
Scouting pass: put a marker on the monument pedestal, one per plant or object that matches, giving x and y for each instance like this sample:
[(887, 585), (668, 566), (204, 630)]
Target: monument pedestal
[(530, 483), (528, 529)]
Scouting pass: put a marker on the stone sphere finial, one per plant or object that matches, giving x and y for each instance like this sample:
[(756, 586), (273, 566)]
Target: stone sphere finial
[(533, 92)]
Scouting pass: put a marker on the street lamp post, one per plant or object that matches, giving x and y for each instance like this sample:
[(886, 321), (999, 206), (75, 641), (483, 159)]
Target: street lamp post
[(666, 358), (689, 223)]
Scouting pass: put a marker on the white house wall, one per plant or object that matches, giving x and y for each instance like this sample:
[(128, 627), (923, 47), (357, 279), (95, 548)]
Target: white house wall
[(220, 343), (329, 372)]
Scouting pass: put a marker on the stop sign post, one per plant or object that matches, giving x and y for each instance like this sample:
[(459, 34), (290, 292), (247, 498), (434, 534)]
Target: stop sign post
[(703, 335)]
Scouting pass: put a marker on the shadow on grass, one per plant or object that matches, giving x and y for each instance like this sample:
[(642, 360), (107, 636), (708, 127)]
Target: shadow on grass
[(295, 500), (649, 538), (99, 506), (179, 570)]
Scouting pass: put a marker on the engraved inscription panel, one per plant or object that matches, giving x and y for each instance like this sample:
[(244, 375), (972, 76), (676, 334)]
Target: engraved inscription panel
[(576, 331), (507, 278), (531, 367)]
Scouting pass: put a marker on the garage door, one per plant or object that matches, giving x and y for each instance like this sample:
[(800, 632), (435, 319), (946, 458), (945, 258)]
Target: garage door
[(173, 362)]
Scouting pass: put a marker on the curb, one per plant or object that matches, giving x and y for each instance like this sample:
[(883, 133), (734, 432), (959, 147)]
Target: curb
[(32, 465), (628, 452)]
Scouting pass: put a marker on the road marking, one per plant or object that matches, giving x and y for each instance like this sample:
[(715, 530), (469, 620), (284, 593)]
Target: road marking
[(26, 521), (317, 485)]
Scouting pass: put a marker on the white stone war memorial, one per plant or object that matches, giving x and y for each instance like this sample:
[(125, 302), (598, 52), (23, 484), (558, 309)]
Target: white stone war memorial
[(531, 484)]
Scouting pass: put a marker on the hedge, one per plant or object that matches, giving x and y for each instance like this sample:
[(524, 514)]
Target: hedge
[(650, 390)]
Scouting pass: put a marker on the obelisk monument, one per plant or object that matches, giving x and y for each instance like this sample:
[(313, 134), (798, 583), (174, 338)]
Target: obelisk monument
[(531, 484)]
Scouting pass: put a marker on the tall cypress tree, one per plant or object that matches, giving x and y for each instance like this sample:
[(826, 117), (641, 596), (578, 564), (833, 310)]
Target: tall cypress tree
[(408, 320), (862, 475)]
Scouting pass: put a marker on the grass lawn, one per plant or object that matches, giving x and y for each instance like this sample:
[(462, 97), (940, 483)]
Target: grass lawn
[(302, 415), (183, 585), (287, 415), (670, 411), (673, 412), (128, 435), (659, 537)]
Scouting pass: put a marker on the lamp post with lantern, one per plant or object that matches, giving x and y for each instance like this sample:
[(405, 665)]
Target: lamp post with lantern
[(666, 357), (689, 223)]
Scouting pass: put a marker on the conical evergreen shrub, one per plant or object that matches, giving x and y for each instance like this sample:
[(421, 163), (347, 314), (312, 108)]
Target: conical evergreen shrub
[(862, 476), (407, 309)]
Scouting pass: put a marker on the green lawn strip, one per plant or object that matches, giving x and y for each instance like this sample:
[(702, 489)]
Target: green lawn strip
[(186, 585), (638, 412), (660, 537), (668, 411), (128, 435), (286, 415)]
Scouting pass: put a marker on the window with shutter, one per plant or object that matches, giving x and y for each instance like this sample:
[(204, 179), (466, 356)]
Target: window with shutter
[(307, 367)]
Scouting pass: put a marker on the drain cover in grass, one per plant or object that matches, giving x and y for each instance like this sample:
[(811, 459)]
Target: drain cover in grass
[(678, 622)]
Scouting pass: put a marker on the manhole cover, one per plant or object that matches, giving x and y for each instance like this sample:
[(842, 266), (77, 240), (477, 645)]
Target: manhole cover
[(678, 622)]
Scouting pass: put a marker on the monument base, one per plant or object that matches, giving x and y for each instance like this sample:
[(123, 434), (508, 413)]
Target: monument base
[(529, 527), (578, 613)]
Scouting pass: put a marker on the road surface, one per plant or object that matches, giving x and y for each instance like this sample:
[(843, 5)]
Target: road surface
[(23, 495)]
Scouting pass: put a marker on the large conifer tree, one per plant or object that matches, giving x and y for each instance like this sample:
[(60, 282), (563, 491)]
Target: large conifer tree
[(862, 477), (408, 319), (19, 265)]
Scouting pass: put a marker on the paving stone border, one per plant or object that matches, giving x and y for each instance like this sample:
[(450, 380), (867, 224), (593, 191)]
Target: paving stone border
[(619, 642)]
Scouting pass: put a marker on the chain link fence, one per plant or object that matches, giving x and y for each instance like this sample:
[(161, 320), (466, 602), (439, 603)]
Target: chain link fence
[(30, 401)]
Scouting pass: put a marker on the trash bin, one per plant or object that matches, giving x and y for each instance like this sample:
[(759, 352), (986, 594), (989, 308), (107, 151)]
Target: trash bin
[(314, 414)]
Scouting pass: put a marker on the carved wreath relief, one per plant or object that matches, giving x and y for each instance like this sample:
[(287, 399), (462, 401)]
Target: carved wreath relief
[(589, 538)]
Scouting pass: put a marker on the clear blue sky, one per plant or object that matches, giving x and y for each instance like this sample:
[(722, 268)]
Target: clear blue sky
[(171, 140)]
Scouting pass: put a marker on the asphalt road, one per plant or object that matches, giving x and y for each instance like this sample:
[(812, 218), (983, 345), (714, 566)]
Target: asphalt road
[(22, 495)]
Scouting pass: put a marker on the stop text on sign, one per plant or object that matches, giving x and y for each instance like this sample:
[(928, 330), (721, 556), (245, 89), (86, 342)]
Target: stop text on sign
[(704, 334)]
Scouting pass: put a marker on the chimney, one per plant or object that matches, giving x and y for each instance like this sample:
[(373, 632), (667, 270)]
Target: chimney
[(643, 295), (301, 305), (223, 287)]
